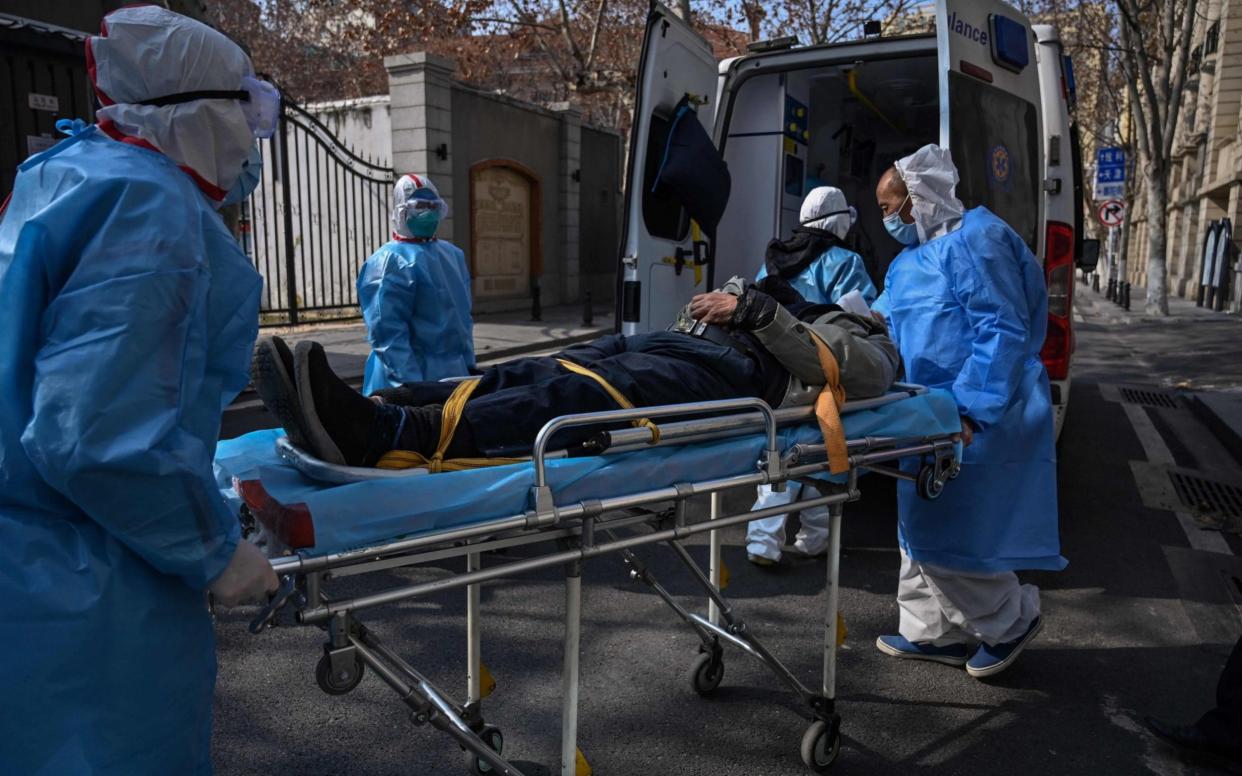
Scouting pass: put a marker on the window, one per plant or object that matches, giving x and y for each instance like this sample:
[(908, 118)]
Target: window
[(995, 145), (662, 213)]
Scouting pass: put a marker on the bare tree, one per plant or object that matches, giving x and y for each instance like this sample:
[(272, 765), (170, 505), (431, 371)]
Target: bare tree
[(580, 51), (1155, 57), (829, 21)]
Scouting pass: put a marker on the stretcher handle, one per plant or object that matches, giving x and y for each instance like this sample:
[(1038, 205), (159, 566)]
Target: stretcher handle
[(275, 602), (539, 453)]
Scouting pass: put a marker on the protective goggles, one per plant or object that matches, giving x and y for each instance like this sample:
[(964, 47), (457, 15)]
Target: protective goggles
[(260, 103), (853, 216)]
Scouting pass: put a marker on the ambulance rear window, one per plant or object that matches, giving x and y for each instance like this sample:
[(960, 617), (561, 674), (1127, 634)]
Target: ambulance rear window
[(994, 138)]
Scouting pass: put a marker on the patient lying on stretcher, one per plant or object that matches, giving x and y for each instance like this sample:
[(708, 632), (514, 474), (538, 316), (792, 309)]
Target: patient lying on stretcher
[(745, 340)]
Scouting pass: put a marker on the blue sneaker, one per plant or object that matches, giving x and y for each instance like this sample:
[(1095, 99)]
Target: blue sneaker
[(990, 660), (899, 646)]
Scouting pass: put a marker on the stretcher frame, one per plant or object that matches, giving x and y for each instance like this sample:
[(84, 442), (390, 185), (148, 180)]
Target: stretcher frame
[(582, 531)]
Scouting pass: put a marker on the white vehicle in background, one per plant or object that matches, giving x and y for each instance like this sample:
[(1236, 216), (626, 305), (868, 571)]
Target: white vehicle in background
[(988, 85)]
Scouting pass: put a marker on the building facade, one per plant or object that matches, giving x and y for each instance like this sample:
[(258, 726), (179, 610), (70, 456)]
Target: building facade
[(1205, 182)]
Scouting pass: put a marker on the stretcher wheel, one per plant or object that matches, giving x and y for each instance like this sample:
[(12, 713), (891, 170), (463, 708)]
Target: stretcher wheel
[(338, 682), (821, 743), (706, 672), (494, 739), (930, 487)]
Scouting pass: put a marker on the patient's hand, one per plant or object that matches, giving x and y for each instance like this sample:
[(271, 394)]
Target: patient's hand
[(716, 307)]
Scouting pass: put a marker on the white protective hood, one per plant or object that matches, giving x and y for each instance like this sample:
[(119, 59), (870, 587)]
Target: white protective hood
[(821, 201), (147, 52), (931, 177), (403, 196)]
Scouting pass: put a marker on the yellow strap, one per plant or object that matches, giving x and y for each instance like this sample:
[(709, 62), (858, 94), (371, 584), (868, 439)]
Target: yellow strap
[(616, 395), (827, 407), (408, 459)]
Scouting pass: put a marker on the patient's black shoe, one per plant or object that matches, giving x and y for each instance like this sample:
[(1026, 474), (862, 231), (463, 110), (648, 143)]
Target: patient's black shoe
[(271, 371), (342, 426)]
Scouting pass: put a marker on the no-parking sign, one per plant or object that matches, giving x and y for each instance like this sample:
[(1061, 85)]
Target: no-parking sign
[(1111, 212)]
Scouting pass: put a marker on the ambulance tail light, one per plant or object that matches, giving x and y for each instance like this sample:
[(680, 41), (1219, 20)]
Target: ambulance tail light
[(1059, 274)]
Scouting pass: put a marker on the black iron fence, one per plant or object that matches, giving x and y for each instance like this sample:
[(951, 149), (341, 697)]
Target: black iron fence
[(320, 209)]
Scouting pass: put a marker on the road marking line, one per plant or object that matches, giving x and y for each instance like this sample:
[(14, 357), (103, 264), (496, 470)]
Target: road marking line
[(1158, 452)]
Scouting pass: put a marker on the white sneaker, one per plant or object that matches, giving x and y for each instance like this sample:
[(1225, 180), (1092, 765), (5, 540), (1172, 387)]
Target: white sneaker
[(811, 551)]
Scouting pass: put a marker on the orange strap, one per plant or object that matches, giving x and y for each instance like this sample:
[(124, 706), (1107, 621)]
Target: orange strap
[(828, 407), (453, 408)]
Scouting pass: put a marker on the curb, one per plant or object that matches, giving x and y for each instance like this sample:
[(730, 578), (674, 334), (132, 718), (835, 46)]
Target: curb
[(1229, 435)]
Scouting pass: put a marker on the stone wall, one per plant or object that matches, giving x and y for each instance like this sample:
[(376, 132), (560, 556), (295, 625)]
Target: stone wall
[(515, 176)]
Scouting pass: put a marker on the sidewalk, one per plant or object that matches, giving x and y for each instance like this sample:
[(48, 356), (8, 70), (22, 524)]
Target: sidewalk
[(1193, 350), (496, 336)]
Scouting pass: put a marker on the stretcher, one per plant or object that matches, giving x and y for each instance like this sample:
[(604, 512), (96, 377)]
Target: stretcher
[(319, 521)]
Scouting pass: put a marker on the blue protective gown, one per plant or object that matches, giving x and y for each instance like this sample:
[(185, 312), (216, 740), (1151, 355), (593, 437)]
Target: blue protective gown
[(415, 298), (127, 325), (969, 311), (833, 275)]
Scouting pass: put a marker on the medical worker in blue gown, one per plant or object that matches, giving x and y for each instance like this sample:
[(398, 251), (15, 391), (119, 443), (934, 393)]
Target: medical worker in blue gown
[(415, 296), (967, 304), (127, 323), (817, 264)]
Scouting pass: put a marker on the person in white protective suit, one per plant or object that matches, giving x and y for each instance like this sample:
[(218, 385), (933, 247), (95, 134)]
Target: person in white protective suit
[(127, 326), (967, 304), (816, 263)]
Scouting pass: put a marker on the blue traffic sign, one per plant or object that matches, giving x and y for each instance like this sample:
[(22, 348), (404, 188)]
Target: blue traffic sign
[(1107, 157), (1110, 173), (1110, 165)]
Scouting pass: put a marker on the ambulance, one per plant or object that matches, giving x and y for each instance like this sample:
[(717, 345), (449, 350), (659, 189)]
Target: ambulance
[(988, 84)]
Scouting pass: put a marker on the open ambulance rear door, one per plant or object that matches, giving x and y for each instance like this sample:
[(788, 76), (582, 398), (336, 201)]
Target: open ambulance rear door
[(990, 110), (664, 256)]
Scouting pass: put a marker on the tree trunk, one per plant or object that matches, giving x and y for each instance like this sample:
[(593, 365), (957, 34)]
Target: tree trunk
[(683, 10), (1157, 237), (1120, 271)]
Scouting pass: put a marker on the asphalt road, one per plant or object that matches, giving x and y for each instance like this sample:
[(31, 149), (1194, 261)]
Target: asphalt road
[(1139, 623)]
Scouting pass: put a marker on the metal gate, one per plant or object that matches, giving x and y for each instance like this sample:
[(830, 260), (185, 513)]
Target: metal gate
[(42, 79), (310, 251)]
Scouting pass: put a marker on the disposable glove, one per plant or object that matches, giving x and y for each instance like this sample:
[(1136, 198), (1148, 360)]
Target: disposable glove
[(247, 579)]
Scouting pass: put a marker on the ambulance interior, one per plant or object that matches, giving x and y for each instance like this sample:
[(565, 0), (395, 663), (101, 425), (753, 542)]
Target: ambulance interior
[(840, 125)]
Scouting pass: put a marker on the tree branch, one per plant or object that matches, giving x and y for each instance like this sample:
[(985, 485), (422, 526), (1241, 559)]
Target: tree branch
[(512, 23), (1181, 74), (599, 20), (1132, 26), (1136, 105), (567, 33), (1166, 43), (543, 44)]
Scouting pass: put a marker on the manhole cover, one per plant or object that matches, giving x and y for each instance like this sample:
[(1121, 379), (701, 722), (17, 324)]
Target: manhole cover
[(1212, 503), (1207, 497), (1148, 398)]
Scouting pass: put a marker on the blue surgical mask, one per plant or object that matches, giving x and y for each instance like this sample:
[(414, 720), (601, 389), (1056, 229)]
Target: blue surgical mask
[(906, 234), (423, 223), (248, 181)]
